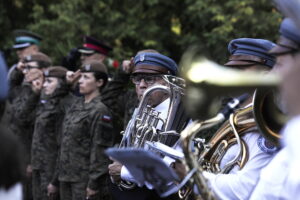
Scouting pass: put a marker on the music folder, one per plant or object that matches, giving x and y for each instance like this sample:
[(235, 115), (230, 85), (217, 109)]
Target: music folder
[(147, 168)]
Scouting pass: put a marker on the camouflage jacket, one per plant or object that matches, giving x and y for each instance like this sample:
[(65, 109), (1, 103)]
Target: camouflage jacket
[(21, 110), (46, 136), (86, 132), (121, 99)]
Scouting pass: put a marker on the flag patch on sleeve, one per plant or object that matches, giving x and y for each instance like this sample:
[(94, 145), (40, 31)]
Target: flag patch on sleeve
[(106, 118)]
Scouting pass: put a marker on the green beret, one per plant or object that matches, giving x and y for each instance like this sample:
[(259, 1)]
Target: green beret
[(42, 59), (55, 71), (94, 66)]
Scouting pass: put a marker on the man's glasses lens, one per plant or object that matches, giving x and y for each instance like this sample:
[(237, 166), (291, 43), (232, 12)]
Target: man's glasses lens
[(149, 79), (30, 67)]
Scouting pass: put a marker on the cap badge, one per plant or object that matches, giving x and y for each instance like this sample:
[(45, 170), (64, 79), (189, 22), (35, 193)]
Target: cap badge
[(142, 58), (28, 57), (87, 67), (46, 72)]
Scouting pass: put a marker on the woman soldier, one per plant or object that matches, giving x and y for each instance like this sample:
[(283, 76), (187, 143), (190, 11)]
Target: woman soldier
[(45, 141), (86, 132)]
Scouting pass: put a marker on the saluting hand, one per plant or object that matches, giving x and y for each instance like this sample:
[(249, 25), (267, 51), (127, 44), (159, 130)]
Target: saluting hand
[(36, 78), (127, 66), (72, 77), (37, 85), (20, 66)]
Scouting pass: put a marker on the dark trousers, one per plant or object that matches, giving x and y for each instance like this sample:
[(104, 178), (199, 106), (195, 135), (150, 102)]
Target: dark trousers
[(138, 193), (27, 188)]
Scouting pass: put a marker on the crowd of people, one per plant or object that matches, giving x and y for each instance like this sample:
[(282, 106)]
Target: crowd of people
[(58, 120)]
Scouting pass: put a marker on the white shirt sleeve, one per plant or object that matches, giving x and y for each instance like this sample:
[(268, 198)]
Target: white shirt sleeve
[(272, 179), (238, 184), (13, 193), (291, 138), (125, 175), (280, 179)]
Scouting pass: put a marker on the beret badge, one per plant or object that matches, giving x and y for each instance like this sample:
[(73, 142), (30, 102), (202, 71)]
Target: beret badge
[(46, 72), (87, 67), (28, 57), (142, 58)]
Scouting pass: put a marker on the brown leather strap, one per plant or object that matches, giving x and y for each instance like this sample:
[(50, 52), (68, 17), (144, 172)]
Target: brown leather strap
[(247, 58), (283, 41)]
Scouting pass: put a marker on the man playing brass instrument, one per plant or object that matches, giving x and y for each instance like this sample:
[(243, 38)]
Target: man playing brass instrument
[(148, 70), (239, 180), (280, 179)]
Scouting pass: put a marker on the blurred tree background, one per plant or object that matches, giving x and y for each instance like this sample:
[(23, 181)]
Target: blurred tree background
[(129, 25)]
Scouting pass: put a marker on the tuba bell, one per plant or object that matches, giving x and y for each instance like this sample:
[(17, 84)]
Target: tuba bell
[(145, 120)]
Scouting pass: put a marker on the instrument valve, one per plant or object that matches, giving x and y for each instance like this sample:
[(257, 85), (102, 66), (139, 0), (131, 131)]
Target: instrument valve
[(200, 143)]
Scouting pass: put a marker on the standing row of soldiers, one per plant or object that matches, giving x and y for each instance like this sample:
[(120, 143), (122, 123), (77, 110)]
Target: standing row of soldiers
[(60, 118)]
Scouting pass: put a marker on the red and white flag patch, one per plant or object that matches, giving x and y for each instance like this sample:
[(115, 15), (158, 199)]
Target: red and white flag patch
[(106, 118)]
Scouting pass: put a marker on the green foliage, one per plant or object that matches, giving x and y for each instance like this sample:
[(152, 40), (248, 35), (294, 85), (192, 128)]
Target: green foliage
[(218, 22), (130, 25)]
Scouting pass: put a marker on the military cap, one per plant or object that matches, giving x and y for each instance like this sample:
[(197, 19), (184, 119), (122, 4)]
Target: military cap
[(92, 45), (289, 39), (249, 51), (24, 38), (55, 71), (42, 59), (147, 62), (94, 66)]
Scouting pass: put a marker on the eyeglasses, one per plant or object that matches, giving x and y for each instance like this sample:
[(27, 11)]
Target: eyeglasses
[(149, 79), (27, 67), (30, 67)]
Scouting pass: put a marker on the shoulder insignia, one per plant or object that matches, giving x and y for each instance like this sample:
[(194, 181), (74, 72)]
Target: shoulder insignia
[(265, 145)]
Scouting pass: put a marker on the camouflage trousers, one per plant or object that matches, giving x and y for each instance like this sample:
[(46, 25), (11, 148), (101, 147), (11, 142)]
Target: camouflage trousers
[(77, 191), (40, 181)]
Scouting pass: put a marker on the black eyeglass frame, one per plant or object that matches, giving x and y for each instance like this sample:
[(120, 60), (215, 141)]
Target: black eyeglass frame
[(149, 79)]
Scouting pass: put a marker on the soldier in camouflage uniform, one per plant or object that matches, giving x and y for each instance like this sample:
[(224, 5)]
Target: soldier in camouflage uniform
[(21, 119), (120, 99), (45, 141), (86, 132)]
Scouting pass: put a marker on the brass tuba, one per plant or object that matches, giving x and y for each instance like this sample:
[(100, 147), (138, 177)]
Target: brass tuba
[(206, 80), (143, 127)]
